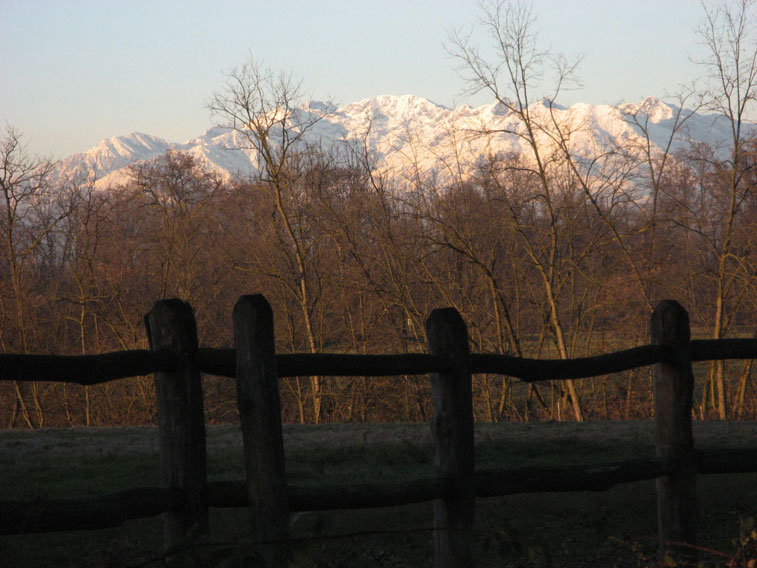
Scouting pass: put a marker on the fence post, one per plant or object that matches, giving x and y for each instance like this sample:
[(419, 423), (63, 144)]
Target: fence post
[(452, 432), (260, 412), (183, 460), (673, 395)]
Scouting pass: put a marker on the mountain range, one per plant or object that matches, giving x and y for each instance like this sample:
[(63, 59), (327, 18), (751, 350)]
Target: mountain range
[(409, 133)]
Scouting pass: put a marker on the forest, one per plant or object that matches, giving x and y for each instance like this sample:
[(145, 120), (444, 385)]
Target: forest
[(548, 253)]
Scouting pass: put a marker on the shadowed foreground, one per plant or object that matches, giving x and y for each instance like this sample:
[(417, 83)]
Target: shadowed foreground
[(520, 530)]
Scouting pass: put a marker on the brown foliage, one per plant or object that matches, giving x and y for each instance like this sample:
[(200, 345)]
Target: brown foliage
[(374, 257)]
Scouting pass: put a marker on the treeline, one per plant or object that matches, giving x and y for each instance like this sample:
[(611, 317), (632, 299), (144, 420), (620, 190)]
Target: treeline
[(559, 251), (353, 262)]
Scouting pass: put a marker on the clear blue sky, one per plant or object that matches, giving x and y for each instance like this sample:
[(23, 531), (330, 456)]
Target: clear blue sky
[(73, 72)]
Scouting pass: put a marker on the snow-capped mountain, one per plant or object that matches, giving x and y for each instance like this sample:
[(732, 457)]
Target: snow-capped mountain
[(405, 134), (111, 155)]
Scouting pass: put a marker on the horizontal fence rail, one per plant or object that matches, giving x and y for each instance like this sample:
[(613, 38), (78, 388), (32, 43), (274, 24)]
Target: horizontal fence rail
[(111, 510), (177, 361), (97, 512), (222, 362), (85, 369), (97, 369), (721, 349), (533, 370)]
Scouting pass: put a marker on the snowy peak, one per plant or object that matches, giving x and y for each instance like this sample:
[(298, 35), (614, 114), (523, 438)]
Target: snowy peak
[(321, 107), (388, 112), (651, 109), (133, 144), (110, 155), (118, 151), (407, 134), (403, 105)]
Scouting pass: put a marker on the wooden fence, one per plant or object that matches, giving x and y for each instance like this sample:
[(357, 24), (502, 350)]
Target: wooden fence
[(177, 362)]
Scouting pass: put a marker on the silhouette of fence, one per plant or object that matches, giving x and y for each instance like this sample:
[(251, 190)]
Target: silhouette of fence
[(177, 362)]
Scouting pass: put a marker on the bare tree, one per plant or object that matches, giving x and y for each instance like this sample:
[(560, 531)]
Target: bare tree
[(29, 212), (729, 34), (511, 76), (655, 163), (262, 107), (181, 191), (81, 297)]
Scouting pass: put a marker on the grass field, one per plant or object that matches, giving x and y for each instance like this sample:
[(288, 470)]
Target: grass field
[(613, 528)]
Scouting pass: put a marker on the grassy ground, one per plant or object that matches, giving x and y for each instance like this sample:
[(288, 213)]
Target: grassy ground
[(613, 528)]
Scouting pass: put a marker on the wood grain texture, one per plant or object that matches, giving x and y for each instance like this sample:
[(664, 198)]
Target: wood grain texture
[(260, 412), (452, 439), (673, 395), (181, 422)]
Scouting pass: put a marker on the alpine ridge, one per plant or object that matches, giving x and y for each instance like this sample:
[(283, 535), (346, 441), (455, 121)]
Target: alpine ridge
[(406, 133)]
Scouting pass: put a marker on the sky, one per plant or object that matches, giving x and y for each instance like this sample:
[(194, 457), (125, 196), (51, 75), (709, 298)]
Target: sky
[(73, 72)]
